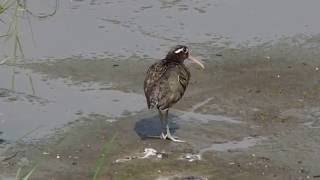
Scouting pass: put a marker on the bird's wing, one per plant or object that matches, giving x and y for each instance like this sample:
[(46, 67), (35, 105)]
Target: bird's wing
[(151, 83), (173, 85)]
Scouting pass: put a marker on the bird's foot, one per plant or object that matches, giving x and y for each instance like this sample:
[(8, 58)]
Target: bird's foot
[(163, 136), (173, 138), (167, 136)]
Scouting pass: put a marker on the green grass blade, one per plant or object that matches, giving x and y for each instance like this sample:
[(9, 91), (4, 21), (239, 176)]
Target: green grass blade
[(102, 158), (31, 84), (20, 47), (27, 176), (5, 35), (18, 173)]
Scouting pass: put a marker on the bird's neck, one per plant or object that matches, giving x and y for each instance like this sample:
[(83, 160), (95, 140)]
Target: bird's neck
[(172, 61)]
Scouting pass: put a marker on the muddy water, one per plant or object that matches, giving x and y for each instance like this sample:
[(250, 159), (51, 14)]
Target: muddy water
[(104, 28), (56, 102), (252, 114)]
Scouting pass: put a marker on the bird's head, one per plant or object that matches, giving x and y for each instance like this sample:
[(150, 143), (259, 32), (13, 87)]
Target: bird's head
[(180, 53)]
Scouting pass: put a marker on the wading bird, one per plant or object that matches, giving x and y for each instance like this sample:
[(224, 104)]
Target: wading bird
[(165, 84)]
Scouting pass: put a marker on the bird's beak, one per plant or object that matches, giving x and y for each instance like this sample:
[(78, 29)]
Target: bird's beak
[(196, 61)]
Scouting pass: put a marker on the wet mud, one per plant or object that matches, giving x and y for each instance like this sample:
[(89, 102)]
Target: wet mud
[(253, 113)]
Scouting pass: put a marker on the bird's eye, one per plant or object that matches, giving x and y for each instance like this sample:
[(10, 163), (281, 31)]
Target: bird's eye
[(185, 50)]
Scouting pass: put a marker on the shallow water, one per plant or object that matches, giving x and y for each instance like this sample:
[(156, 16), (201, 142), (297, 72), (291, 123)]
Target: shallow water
[(55, 103), (104, 28)]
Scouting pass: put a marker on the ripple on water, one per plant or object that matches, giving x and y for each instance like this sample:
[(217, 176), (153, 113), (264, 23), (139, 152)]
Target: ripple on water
[(62, 103), (161, 20)]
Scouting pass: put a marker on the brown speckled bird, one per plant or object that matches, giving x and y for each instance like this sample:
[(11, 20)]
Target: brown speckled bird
[(165, 84)]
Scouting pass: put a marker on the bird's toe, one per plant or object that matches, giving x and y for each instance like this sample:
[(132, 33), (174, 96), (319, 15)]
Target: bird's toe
[(174, 138)]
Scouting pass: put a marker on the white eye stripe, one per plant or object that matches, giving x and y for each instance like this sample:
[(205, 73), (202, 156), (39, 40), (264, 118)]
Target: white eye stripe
[(178, 50), (181, 49)]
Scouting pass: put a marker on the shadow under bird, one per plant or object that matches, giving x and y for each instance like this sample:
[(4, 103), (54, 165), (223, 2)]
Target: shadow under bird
[(165, 83)]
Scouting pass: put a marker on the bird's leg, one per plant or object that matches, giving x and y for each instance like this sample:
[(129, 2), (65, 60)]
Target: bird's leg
[(163, 132), (168, 133), (162, 135)]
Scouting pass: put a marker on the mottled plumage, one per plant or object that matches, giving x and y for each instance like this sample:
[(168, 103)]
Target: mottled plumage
[(165, 83)]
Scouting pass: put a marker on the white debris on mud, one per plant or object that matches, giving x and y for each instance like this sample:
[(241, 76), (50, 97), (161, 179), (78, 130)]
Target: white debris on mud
[(148, 152), (190, 157)]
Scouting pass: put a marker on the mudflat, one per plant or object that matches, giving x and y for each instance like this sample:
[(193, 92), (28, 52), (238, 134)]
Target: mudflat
[(253, 113)]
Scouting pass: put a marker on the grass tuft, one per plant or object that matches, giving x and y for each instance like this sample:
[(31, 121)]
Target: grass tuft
[(100, 163), (25, 176)]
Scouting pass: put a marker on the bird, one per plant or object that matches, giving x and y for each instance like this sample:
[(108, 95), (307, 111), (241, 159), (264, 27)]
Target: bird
[(166, 82)]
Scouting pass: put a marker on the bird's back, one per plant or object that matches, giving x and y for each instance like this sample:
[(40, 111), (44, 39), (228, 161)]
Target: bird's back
[(165, 84)]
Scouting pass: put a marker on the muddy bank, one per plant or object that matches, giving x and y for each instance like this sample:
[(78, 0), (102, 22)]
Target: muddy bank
[(246, 154), (253, 113)]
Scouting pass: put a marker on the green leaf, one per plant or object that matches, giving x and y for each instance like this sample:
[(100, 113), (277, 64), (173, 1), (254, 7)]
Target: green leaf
[(18, 173), (103, 156), (27, 176)]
